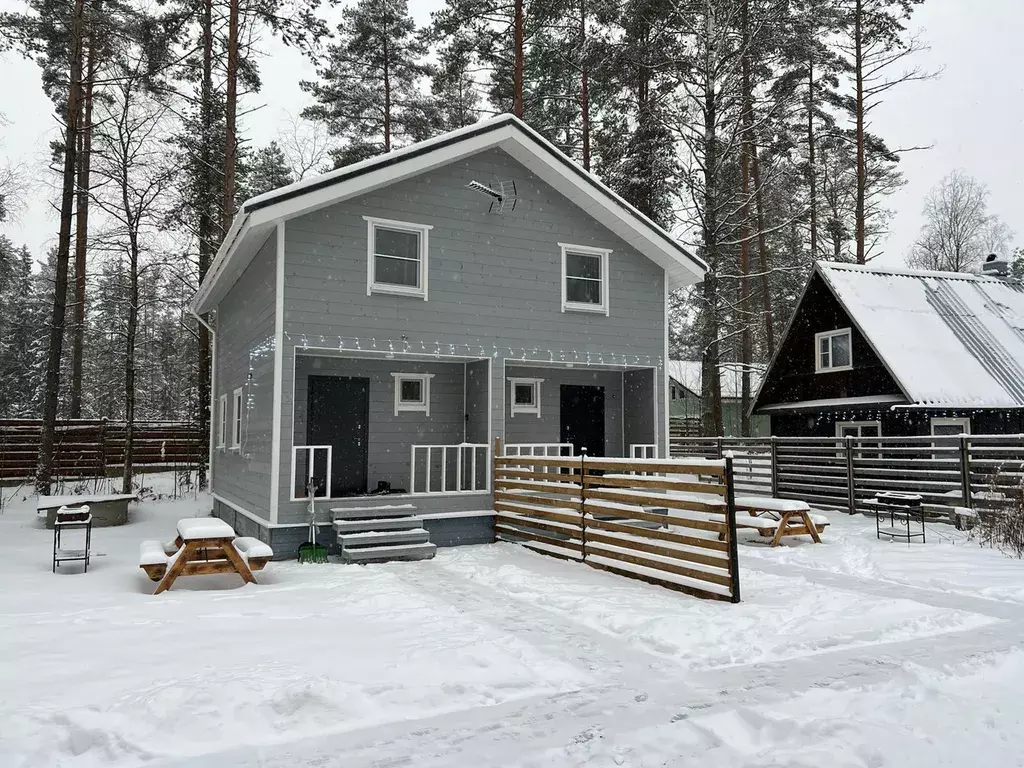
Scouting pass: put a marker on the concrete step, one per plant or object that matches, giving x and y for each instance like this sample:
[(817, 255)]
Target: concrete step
[(362, 525), (386, 510), (423, 551), (376, 538)]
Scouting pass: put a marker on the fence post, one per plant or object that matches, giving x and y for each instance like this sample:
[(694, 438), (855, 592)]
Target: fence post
[(718, 444), (965, 470), (494, 486), (851, 497), (775, 466), (583, 504), (103, 447), (730, 520)]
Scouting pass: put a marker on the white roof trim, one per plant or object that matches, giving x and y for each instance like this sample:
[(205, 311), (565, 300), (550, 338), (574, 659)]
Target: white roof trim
[(506, 132)]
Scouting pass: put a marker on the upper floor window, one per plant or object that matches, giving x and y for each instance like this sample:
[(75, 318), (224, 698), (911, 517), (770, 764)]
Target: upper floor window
[(396, 257), (834, 351), (584, 278)]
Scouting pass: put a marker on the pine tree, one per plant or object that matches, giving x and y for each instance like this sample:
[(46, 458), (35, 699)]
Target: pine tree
[(367, 92), (266, 170)]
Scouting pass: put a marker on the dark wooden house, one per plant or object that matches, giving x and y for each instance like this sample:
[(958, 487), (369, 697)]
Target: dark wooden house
[(872, 351)]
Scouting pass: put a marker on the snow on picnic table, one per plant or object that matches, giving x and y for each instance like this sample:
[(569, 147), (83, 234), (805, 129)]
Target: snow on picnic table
[(494, 655)]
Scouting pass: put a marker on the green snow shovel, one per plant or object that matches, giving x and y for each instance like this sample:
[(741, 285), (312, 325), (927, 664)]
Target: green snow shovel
[(311, 552)]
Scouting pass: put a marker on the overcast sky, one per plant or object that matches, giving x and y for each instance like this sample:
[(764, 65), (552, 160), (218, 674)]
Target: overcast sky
[(972, 116)]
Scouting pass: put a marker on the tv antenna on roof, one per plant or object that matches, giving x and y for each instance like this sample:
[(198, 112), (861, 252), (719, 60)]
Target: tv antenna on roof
[(502, 193)]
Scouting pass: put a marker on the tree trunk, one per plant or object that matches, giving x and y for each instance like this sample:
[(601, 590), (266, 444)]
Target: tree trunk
[(387, 98), (812, 174), (584, 86), (763, 257), (130, 332), (230, 113), (51, 390), (205, 227), (517, 70), (745, 146), (711, 382), (862, 173), (82, 235)]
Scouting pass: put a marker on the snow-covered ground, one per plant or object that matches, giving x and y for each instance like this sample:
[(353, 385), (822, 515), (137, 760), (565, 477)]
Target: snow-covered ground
[(852, 653)]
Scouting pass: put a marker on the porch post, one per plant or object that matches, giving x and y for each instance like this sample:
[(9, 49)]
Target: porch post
[(275, 439)]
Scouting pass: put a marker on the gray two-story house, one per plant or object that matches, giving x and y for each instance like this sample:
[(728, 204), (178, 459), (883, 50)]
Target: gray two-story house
[(377, 328)]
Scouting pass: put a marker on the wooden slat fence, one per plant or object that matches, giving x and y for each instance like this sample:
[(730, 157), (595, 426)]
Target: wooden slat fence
[(976, 471), (641, 518), (86, 449)]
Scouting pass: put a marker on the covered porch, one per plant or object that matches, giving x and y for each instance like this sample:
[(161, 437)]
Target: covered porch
[(389, 425), (553, 409)]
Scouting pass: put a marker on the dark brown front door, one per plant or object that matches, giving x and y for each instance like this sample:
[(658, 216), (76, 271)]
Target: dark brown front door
[(582, 415), (338, 416)]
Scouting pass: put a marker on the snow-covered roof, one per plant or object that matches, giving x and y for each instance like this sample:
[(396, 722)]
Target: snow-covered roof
[(949, 339), (688, 373), (258, 217)]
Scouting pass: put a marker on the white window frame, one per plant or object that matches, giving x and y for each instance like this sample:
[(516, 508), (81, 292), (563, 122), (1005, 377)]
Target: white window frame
[(946, 421), (818, 337), (868, 423), (372, 286), (576, 306), (420, 406), (236, 421), (532, 409), (222, 421)]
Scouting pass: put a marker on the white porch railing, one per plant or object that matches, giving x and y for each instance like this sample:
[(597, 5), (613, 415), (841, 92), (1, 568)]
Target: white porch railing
[(643, 451), (538, 449), (310, 452), (462, 468)]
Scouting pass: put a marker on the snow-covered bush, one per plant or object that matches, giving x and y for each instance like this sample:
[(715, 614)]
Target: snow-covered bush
[(1003, 528)]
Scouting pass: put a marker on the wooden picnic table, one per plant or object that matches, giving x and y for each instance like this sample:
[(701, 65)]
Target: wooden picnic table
[(204, 545), (793, 518)]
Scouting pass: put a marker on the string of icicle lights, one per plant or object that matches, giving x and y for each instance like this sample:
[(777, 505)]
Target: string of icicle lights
[(441, 349)]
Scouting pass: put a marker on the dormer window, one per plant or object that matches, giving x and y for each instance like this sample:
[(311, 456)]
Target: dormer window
[(833, 351)]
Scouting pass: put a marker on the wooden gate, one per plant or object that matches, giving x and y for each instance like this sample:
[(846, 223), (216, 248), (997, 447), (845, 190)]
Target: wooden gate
[(670, 522)]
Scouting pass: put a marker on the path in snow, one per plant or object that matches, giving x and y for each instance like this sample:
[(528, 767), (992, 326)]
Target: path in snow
[(649, 708), (849, 654)]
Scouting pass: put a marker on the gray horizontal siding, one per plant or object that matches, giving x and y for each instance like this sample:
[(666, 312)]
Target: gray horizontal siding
[(494, 284), (245, 358)]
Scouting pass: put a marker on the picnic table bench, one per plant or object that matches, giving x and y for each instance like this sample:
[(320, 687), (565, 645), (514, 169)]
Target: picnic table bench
[(786, 517), (204, 545), (106, 508)]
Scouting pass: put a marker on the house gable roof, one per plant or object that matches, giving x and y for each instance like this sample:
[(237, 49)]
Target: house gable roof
[(257, 217), (949, 340)]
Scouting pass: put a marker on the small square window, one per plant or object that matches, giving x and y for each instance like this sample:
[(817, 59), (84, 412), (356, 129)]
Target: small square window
[(834, 351), (584, 279), (412, 392), (525, 396), (396, 257)]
